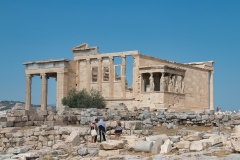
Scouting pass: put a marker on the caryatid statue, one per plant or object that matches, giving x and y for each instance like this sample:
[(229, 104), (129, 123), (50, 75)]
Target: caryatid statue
[(151, 82)]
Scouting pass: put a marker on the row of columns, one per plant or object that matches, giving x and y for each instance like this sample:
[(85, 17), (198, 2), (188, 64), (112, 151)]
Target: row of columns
[(171, 85), (28, 92), (100, 75), (44, 90)]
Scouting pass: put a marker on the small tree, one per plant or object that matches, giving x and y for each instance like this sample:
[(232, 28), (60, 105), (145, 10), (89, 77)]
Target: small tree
[(82, 99)]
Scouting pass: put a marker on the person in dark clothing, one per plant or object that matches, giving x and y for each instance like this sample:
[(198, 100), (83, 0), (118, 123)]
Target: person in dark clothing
[(102, 130)]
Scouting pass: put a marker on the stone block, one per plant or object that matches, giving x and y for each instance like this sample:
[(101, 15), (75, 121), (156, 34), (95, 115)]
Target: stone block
[(112, 145), (194, 137), (237, 129), (235, 142), (156, 137), (6, 124), (183, 145), (19, 133), (15, 113), (196, 146), (18, 124), (42, 113), (103, 153), (37, 123), (3, 119), (73, 139), (205, 117), (143, 146), (134, 125), (36, 118), (14, 119)]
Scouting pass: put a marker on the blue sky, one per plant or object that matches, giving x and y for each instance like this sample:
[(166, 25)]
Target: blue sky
[(182, 31)]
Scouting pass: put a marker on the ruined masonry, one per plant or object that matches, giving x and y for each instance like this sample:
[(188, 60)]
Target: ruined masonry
[(157, 83)]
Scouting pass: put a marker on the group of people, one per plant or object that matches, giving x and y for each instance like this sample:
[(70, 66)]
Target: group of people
[(98, 127)]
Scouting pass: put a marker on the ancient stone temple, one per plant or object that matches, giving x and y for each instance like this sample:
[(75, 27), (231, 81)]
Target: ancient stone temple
[(156, 83)]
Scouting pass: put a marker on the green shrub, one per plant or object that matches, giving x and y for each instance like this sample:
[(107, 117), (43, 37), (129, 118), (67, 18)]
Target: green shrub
[(83, 99)]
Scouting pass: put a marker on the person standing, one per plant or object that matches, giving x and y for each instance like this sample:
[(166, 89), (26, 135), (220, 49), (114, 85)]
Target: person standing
[(118, 129), (93, 128), (102, 129)]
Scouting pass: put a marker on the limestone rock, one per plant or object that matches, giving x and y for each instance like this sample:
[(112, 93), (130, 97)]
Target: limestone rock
[(103, 153), (196, 146), (154, 138), (235, 141), (83, 152), (73, 139), (157, 146), (112, 145), (166, 147), (183, 145), (143, 146)]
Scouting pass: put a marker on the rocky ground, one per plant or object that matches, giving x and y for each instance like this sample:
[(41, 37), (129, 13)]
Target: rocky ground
[(149, 135)]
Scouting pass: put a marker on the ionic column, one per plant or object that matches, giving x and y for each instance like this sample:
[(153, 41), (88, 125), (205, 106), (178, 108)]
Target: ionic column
[(88, 75), (44, 92), (123, 78), (211, 91), (182, 85), (100, 77), (141, 83), (28, 92), (77, 74), (111, 77), (162, 82)]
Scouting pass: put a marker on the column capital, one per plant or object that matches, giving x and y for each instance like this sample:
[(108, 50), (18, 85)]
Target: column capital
[(111, 58), (88, 60), (28, 75), (99, 59), (43, 74), (123, 56)]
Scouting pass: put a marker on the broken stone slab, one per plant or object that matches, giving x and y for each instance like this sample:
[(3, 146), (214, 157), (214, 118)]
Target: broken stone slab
[(183, 145), (166, 147), (154, 138), (134, 125), (83, 151), (73, 138), (103, 153), (196, 146), (175, 139), (194, 137), (112, 145), (235, 142), (143, 146), (237, 129)]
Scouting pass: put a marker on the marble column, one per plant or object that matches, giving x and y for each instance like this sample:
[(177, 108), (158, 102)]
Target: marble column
[(142, 84), (28, 92), (123, 77), (44, 92), (77, 74), (211, 91), (100, 77), (182, 85), (162, 82), (88, 85), (111, 77)]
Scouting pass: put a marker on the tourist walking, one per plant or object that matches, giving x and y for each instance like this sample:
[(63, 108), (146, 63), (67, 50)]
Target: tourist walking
[(101, 130), (93, 128), (118, 129)]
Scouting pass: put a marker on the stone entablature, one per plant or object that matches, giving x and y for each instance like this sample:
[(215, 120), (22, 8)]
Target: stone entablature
[(155, 82)]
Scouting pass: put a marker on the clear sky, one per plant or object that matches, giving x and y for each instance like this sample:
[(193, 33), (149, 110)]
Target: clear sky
[(177, 30)]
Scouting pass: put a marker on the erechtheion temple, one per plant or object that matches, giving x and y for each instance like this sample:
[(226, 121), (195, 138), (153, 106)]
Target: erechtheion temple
[(156, 83)]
